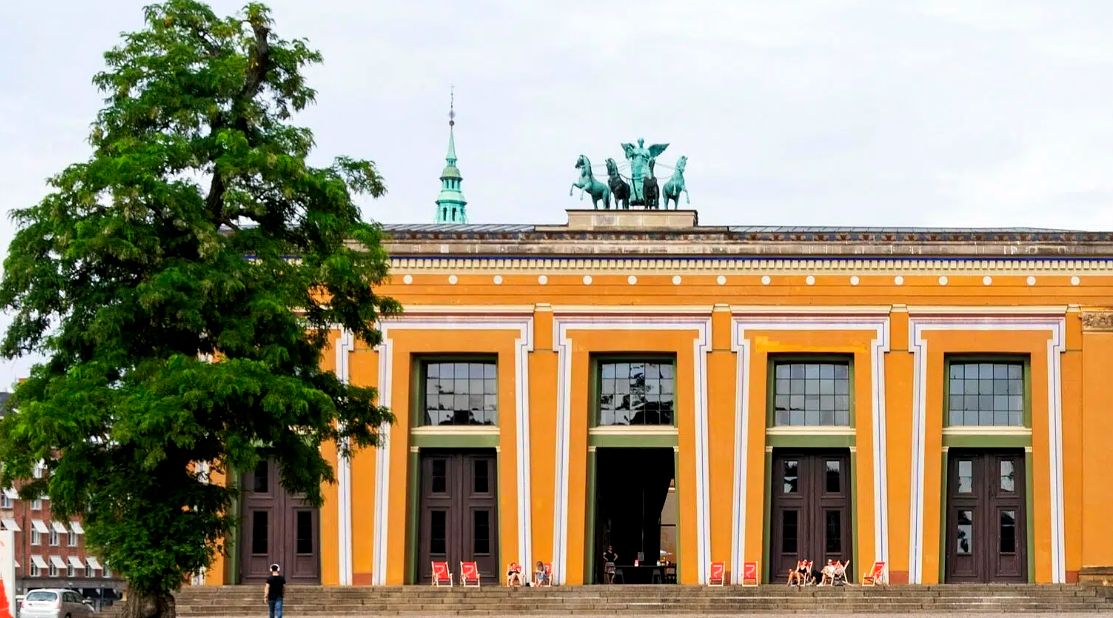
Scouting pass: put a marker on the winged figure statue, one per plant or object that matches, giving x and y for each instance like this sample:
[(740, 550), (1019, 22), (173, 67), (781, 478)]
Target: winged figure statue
[(639, 157)]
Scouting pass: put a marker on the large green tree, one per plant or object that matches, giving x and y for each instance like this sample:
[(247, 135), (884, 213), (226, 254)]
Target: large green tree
[(182, 283)]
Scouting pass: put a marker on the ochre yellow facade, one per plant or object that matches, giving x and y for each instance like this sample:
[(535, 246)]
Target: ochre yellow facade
[(543, 308)]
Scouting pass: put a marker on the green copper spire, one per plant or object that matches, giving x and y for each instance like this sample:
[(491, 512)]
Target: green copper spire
[(451, 202)]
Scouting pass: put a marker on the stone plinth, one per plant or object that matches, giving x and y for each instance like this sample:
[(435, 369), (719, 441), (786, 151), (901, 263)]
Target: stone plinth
[(628, 219)]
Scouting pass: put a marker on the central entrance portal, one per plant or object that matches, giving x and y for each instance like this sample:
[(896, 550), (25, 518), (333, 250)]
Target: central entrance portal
[(636, 513), (810, 509)]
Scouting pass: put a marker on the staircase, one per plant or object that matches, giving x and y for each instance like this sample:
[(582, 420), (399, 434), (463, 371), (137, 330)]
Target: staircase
[(245, 601)]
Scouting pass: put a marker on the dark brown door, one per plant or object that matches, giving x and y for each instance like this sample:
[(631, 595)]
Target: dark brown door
[(810, 509), (459, 512), (986, 517), (277, 528)]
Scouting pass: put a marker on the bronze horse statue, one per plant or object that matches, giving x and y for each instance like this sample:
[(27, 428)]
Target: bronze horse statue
[(676, 184), (619, 188), (587, 182), (649, 188)]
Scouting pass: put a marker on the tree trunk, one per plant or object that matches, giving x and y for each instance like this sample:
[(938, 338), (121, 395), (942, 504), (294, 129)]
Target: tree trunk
[(140, 605)]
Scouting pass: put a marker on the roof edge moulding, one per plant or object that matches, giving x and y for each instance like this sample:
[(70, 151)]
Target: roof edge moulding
[(626, 220)]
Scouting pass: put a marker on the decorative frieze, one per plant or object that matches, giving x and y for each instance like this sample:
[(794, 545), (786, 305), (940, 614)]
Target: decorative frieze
[(402, 264), (1097, 321)]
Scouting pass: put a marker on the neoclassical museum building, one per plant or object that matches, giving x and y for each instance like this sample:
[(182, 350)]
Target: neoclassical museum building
[(938, 399)]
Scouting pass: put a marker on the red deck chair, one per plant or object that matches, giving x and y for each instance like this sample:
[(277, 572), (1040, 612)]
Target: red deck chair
[(442, 576), (469, 575)]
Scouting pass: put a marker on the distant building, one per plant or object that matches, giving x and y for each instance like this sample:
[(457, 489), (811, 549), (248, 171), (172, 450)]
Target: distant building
[(51, 554)]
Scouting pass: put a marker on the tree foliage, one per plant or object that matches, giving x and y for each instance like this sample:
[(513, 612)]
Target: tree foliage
[(195, 232)]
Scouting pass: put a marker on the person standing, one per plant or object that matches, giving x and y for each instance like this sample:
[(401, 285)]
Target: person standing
[(273, 591), (609, 558)]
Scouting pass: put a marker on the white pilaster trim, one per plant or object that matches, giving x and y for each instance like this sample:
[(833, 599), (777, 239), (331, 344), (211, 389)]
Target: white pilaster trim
[(1053, 321), (805, 319), (345, 344), (631, 319), (449, 319)]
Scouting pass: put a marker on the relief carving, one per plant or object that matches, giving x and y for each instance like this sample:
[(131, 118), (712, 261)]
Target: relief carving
[(1097, 321)]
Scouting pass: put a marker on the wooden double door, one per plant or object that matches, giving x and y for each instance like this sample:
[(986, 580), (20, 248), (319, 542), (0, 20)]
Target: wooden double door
[(277, 528), (810, 517), (987, 522), (459, 512)]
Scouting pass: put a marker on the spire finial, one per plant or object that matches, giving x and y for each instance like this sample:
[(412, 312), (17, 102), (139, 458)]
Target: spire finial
[(451, 106)]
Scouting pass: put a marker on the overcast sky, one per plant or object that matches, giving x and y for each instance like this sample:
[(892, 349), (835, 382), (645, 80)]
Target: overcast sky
[(809, 112)]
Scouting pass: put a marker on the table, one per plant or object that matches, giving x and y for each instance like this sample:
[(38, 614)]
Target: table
[(641, 574)]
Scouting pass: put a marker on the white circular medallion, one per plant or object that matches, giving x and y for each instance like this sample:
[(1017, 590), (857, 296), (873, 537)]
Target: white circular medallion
[(676, 279), (498, 279), (542, 279), (587, 279), (942, 279), (1075, 281), (1031, 280), (408, 279), (899, 280), (810, 280), (631, 279), (721, 280), (452, 279), (987, 280), (765, 280), (854, 280)]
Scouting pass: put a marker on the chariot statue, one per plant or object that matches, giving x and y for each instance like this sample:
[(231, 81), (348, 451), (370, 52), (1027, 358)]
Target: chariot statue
[(637, 188)]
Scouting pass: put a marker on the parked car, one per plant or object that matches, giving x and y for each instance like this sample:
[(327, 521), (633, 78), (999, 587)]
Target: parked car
[(55, 603)]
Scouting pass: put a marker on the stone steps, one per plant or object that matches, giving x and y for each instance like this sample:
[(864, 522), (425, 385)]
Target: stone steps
[(352, 602)]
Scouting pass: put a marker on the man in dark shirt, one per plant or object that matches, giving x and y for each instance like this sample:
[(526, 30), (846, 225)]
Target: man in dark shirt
[(272, 592)]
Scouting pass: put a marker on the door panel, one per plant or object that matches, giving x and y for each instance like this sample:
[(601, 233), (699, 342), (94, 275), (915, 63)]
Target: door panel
[(277, 528), (458, 518), (986, 517), (810, 509)]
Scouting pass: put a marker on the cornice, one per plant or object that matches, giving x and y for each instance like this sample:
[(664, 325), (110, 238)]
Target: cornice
[(401, 264)]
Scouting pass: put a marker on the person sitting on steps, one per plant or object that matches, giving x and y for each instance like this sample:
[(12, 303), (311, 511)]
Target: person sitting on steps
[(514, 575), (540, 575)]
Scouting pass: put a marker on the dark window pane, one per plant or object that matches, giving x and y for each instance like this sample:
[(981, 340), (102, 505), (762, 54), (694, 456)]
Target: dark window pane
[(833, 532), (305, 532), (964, 537), (259, 532), (985, 393), (636, 393), (437, 533), (834, 477), (1007, 534), (965, 476), (482, 482), (481, 534), (261, 484), (813, 388), (456, 393), (440, 468), (792, 477), (1008, 480), (788, 532)]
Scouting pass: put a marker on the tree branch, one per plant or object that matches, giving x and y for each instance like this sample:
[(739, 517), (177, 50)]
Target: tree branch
[(258, 66)]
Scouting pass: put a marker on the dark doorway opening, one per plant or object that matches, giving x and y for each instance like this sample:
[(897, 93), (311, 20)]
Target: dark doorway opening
[(636, 506), (987, 523), (459, 512), (810, 509)]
